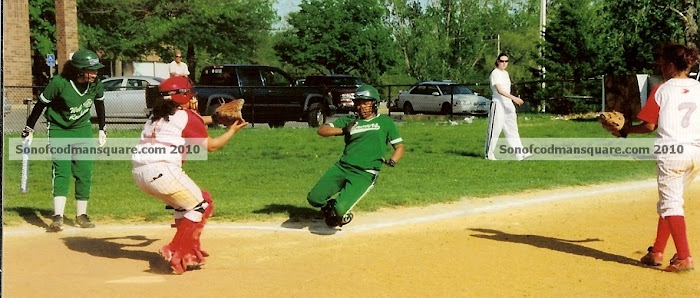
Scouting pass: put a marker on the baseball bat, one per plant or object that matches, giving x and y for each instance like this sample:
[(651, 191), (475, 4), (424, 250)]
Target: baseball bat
[(25, 168)]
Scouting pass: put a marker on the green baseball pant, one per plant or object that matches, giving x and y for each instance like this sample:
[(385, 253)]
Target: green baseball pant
[(66, 164), (350, 183)]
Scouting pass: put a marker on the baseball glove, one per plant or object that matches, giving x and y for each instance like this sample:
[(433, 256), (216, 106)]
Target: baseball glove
[(226, 114), (612, 121)]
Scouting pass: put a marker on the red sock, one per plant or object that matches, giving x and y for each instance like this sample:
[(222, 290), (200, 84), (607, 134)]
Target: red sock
[(677, 225), (663, 231)]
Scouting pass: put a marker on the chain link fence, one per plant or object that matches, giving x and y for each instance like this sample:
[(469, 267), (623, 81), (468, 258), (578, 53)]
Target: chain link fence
[(550, 96), (561, 97)]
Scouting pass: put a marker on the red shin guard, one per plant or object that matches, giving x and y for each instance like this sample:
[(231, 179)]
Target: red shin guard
[(184, 251)]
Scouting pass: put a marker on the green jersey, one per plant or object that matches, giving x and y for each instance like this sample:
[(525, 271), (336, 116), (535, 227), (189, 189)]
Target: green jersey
[(368, 140), (68, 105)]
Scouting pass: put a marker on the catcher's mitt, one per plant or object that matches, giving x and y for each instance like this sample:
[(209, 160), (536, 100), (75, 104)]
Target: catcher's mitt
[(226, 114), (612, 121)]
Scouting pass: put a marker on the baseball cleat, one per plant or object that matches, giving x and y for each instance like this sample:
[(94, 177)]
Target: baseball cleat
[(175, 262), (347, 218), (329, 215), (166, 253), (56, 224), (652, 258), (84, 222), (680, 265)]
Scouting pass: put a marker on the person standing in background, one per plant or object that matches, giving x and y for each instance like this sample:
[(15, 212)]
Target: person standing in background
[(178, 68), (502, 116)]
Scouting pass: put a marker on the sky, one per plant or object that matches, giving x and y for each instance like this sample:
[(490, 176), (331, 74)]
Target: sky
[(284, 7)]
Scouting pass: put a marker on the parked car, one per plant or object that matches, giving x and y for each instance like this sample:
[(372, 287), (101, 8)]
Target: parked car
[(341, 88), (442, 97), (125, 97), (271, 95)]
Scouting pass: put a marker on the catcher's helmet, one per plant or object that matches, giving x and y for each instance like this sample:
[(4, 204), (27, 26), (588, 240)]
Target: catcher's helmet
[(86, 59), (367, 92), (177, 89)]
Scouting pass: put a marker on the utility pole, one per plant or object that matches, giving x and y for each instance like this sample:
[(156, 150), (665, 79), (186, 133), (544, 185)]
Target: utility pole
[(543, 23)]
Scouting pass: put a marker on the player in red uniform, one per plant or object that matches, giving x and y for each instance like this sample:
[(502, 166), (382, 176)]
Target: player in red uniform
[(175, 123), (672, 110)]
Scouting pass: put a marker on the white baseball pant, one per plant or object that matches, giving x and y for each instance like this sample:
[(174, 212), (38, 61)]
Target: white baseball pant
[(170, 184), (502, 117), (674, 174)]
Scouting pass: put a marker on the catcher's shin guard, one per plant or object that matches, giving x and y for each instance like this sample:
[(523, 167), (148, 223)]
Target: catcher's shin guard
[(184, 251), (206, 214)]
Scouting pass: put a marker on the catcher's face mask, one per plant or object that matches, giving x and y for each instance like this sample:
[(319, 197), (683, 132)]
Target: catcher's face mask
[(177, 89)]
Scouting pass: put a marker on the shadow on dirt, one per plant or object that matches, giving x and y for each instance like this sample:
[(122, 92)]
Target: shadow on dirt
[(300, 218), (39, 217), (117, 248), (562, 245)]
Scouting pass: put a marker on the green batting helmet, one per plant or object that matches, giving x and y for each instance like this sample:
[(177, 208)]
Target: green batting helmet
[(367, 92), (86, 59)]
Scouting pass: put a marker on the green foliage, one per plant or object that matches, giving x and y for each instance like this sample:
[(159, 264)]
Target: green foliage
[(266, 173), (636, 27), (42, 29), (339, 36), (133, 29), (459, 40), (382, 41)]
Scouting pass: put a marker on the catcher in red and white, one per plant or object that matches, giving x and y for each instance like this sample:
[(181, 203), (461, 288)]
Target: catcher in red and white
[(175, 122)]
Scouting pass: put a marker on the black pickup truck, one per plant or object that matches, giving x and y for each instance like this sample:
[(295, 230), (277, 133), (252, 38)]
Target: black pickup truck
[(340, 87), (271, 95)]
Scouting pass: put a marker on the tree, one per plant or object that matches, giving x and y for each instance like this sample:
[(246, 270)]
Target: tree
[(339, 36), (456, 40), (636, 28), (212, 31), (42, 37), (573, 43)]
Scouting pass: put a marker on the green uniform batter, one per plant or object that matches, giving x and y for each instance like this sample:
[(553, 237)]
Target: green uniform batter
[(68, 99)]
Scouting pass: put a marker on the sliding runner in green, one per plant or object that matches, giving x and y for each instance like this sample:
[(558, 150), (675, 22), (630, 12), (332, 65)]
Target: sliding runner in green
[(367, 136)]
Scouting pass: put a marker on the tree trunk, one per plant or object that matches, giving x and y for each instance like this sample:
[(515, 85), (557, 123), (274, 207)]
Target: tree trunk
[(191, 61), (691, 23)]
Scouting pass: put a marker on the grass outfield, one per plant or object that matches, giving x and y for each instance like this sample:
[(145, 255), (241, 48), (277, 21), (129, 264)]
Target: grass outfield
[(265, 173)]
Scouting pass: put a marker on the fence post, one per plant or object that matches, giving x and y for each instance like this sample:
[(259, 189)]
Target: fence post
[(28, 102), (388, 102), (602, 99)]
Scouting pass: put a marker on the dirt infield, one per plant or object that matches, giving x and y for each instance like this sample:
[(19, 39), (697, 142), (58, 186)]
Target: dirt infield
[(569, 242)]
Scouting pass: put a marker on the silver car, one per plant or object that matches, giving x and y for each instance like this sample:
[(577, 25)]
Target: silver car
[(125, 97), (442, 97)]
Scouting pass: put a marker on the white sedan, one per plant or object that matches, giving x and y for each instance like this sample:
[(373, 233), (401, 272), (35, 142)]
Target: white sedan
[(125, 97), (442, 97)]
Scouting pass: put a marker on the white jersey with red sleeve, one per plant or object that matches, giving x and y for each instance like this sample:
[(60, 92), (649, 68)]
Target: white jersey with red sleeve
[(160, 138), (674, 108)]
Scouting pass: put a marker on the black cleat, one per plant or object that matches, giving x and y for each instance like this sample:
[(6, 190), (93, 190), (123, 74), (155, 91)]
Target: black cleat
[(56, 225)]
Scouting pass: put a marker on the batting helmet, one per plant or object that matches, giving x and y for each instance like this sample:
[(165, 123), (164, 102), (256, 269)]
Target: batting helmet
[(177, 89), (86, 59), (367, 92)]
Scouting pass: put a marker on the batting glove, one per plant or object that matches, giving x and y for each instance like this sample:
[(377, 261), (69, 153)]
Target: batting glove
[(28, 135), (389, 162), (102, 138)]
